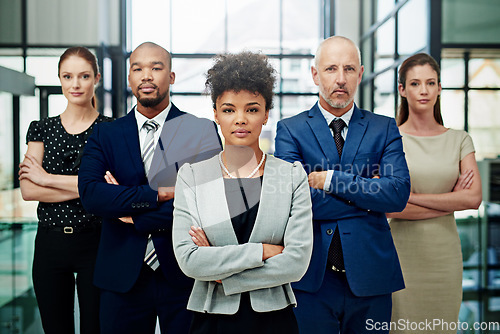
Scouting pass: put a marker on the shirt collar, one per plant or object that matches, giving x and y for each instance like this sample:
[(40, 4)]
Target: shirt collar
[(160, 118), (330, 117)]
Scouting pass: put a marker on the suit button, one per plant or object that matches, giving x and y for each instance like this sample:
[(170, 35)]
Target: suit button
[(147, 205), (329, 231), (133, 205)]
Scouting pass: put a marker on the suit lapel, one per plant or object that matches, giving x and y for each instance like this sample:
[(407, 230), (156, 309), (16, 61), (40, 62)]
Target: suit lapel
[(170, 127), (174, 112), (211, 196), (267, 200), (355, 134), (131, 139), (323, 134), (218, 214)]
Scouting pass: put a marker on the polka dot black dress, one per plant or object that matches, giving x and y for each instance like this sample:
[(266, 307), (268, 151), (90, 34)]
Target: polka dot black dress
[(67, 239), (62, 154)]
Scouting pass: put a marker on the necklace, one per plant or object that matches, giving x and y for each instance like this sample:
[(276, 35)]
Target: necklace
[(249, 175)]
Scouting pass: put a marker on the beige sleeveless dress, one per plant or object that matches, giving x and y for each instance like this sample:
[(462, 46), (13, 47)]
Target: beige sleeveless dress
[(429, 250)]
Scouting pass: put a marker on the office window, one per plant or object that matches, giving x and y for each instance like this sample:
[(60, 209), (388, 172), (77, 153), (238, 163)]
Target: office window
[(484, 73), (267, 26), (477, 81), (384, 94), (263, 18), (57, 104), (44, 69), (197, 26), (146, 24), (300, 26), (383, 8), (15, 63), (29, 111), (484, 122), (296, 76), (484, 98), (190, 74), (468, 21), (385, 40), (412, 27), (452, 108), (292, 105), (366, 55), (10, 20), (452, 73), (366, 13)]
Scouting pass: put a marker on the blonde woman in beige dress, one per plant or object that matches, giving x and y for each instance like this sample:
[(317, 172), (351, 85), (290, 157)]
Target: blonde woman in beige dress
[(444, 179)]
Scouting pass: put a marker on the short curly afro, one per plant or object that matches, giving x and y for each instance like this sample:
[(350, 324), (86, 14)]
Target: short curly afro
[(242, 71)]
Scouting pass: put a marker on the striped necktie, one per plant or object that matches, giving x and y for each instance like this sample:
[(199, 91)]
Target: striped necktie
[(149, 143), (147, 155)]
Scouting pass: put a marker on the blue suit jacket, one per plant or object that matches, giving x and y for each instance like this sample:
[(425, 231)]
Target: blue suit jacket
[(356, 202), (115, 147)]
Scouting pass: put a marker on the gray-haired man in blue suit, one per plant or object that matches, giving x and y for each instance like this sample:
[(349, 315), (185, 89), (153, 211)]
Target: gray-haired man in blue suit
[(357, 172)]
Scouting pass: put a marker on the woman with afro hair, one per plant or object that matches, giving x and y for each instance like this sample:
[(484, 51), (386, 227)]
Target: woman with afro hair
[(242, 219)]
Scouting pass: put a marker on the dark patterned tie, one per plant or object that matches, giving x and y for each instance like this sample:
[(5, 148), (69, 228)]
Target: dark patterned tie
[(147, 155), (335, 255), (337, 125)]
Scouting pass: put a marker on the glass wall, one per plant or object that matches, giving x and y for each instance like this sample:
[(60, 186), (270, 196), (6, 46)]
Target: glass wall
[(469, 22), (391, 32), (463, 36), (471, 93), (6, 138), (10, 20), (221, 26), (483, 101)]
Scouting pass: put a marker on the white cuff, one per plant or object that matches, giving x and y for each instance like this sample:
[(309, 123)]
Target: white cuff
[(328, 180)]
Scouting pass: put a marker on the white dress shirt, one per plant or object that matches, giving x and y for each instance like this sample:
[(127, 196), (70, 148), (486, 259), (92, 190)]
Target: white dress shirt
[(141, 119)]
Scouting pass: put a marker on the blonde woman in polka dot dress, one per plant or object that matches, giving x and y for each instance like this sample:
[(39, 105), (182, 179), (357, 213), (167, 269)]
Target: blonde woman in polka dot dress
[(67, 237)]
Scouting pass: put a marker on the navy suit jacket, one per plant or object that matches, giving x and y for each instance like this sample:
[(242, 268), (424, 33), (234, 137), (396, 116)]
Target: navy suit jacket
[(355, 202), (115, 147)]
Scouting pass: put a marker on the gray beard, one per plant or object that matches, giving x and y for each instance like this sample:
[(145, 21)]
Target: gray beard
[(337, 105)]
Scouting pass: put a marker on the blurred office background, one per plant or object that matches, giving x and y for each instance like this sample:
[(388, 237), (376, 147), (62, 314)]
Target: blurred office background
[(463, 35)]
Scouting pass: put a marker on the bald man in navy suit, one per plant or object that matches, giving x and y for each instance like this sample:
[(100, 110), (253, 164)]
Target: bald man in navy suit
[(357, 172), (135, 199)]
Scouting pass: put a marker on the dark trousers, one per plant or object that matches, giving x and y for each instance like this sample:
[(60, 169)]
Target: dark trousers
[(136, 311), (246, 321), (335, 309), (58, 256)]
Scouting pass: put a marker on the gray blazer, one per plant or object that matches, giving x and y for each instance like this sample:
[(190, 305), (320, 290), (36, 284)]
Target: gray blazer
[(284, 218)]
